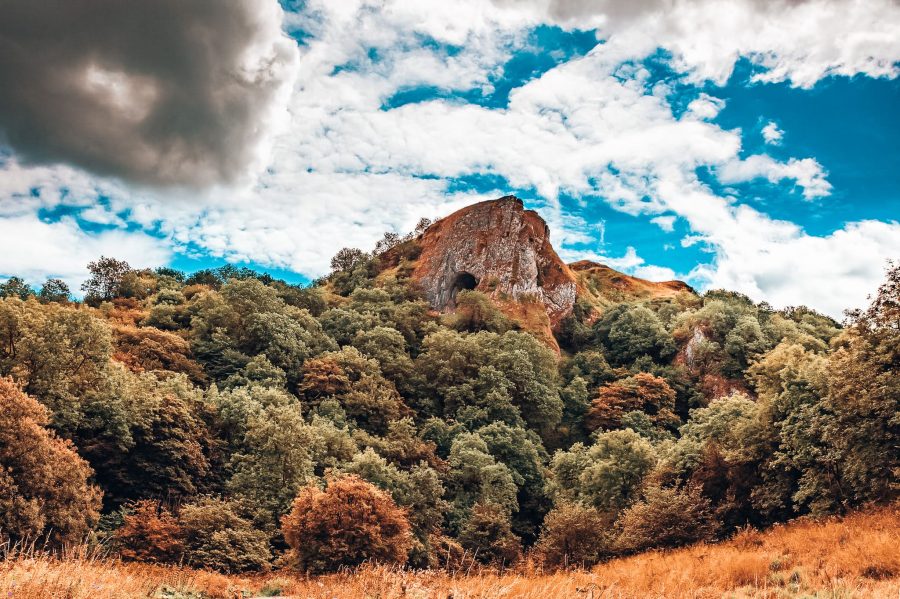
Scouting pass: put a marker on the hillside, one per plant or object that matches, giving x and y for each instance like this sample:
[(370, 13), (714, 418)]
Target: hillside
[(603, 286), (409, 409)]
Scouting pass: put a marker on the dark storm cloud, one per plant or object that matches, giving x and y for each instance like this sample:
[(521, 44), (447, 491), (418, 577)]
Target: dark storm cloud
[(155, 91)]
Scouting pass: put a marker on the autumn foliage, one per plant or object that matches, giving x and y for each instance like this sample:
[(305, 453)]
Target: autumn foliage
[(642, 392), (348, 523), (44, 488)]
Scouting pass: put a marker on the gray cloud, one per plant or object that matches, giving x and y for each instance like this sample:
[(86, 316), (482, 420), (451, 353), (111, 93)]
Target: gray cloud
[(619, 12), (162, 92)]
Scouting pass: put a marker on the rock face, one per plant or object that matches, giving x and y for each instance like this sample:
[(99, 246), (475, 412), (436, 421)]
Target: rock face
[(498, 248)]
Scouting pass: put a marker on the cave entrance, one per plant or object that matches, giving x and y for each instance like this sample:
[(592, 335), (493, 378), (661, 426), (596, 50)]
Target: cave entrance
[(464, 280)]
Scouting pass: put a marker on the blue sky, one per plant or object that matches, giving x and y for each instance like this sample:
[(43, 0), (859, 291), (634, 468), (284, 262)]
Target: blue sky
[(747, 145)]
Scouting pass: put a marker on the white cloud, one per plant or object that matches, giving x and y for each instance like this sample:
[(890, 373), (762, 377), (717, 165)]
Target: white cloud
[(344, 170), (808, 173), (789, 267), (800, 41), (772, 134), (36, 250), (666, 223)]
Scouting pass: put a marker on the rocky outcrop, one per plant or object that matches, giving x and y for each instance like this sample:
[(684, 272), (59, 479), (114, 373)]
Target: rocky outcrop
[(498, 248)]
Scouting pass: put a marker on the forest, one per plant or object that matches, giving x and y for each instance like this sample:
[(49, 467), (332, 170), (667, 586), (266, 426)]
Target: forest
[(227, 420)]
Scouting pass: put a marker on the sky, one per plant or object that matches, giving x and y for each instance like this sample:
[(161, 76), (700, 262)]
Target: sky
[(741, 144)]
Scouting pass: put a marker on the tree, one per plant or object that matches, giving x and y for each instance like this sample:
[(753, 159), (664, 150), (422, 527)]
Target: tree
[(16, 287), (347, 524), (44, 488), (106, 277), (389, 240), (631, 331), (666, 518), (642, 392), (356, 382), (56, 352), (274, 460), (148, 349), (347, 259), (145, 437), (488, 536), (573, 535), (55, 290), (477, 477), (607, 475)]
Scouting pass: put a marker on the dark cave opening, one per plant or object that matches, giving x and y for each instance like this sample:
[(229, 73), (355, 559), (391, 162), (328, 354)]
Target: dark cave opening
[(464, 280)]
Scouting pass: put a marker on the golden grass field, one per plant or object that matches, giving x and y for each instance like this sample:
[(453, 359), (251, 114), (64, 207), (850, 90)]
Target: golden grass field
[(857, 556)]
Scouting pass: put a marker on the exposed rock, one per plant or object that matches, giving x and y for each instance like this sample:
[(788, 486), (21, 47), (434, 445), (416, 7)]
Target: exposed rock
[(499, 248)]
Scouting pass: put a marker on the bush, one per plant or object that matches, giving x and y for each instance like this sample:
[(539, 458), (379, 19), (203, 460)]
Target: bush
[(666, 518), (149, 532), (348, 523), (217, 536), (573, 535)]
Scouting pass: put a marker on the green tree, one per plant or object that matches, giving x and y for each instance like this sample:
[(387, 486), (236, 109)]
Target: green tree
[(606, 475), (631, 331), (54, 290), (16, 287), (488, 536), (106, 277)]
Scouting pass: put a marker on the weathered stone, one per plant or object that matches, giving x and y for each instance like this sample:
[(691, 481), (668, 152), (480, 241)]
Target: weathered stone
[(498, 248)]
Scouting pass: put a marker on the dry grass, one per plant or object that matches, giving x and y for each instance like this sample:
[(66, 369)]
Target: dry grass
[(858, 556)]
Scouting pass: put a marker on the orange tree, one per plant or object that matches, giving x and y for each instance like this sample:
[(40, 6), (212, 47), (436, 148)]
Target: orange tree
[(347, 524)]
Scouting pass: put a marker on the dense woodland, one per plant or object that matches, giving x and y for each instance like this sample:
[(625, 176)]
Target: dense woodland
[(229, 420)]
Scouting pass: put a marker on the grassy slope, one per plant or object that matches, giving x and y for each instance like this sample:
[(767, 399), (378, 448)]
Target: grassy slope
[(858, 556)]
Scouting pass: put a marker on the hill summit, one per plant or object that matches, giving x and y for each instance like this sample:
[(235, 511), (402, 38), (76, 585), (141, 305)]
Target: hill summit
[(503, 250)]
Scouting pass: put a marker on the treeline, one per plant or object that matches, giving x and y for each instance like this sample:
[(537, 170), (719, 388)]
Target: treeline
[(232, 421)]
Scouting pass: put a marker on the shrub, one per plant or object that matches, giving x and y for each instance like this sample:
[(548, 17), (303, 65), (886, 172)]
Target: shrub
[(217, 536), (573, 535), (149, 532), (666, 518), (348, 523)]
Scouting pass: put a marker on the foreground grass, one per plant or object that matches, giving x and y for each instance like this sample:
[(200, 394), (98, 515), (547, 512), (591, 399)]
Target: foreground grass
[(858, 556)]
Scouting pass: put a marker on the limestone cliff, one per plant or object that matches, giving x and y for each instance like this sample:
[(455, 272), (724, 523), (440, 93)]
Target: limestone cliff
[(499, 248)]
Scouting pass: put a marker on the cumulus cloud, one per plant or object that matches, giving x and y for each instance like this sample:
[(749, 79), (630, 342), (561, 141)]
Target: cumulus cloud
[(807, 172), (800, 41), (788, 267), (666, 223), (163, 92), (772, 134), (346, 168), (35, 250)]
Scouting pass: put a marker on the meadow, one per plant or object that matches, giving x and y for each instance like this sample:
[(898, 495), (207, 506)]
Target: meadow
[(854, 556)]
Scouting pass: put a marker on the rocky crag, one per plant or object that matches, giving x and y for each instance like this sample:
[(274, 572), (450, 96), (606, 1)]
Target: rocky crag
[(503, 250), (499, 248)]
